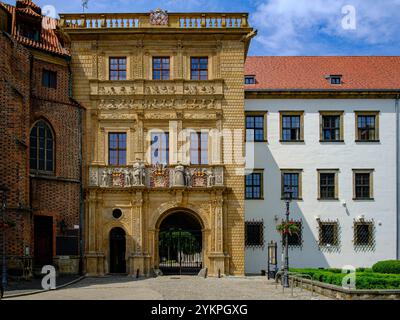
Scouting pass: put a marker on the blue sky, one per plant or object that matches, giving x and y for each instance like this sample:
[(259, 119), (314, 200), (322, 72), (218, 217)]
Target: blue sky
[(285, 27)]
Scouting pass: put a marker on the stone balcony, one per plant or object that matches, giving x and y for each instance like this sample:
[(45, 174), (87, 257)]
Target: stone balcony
[(155, 19), (156, 176)]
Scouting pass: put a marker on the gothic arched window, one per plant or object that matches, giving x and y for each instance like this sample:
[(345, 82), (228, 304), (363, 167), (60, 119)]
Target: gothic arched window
[(41, 148)]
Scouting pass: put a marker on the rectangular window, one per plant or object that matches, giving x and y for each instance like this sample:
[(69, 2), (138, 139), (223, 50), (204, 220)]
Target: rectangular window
[(254, 233), (49, 79), (295, 239), (117, 149), (291, 180), (160, 148), (367, 126), (199, 148), (331, 128), (254, 183), (117, 68), (161, 68), (328, 180), (249, 80), (363, 184), (328, 233), (291, 126), (255, 128), (199, 68), (363, 233)]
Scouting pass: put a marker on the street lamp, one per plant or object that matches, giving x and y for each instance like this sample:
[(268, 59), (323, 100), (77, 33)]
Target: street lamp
[(3, 196), (288, 192)]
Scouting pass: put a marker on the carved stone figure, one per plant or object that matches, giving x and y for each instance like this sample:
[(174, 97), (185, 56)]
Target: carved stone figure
[(210, 178), (188, 178), (127, 178), (159, 17), (104, 179), (138, 173), (179, 175)]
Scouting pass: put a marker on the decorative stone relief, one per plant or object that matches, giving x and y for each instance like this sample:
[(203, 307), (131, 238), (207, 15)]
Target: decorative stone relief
[(155, 177), (163, 89), (104, 90), (199, 89), (116, 104), (159, 17), (159, 104)]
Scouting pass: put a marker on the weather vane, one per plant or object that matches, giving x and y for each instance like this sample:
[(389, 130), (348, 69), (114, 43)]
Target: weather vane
[(85, 4)]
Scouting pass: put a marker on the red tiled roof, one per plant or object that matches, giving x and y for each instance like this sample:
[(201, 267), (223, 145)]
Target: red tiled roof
[(48, 38), (309, 73)]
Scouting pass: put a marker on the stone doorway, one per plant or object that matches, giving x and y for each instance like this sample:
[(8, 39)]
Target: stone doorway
[(180, 244), (117, 250)]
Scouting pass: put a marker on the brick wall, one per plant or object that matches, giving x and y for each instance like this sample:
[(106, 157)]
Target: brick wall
[(14, 133)]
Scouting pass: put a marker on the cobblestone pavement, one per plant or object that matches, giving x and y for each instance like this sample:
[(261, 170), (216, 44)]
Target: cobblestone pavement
[(174, 288)]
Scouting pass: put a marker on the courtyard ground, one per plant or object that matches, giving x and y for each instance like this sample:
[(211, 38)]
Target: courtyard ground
[(174, 288)]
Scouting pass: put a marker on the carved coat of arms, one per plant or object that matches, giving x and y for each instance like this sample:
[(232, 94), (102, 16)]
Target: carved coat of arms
[(159, 17)]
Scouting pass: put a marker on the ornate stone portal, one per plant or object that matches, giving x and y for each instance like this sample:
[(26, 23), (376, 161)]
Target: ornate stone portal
[(144, 193)]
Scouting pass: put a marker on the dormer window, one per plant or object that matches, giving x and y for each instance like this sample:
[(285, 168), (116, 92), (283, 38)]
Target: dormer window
[(249, 80), (335, 79), (29, 32)]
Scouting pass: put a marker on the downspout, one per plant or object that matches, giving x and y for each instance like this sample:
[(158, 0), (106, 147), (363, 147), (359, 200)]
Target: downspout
[(397, 110), (81, 204)]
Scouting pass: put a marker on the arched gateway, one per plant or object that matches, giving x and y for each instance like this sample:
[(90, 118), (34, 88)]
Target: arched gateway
[(180, 242)]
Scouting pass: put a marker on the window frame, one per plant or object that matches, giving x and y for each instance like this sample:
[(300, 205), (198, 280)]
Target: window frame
[(37, 170), (336, 240), (299, 187), (198, 78), (51, 81), (249, 76), (341, 125), (161, 69), (260, 225), (161, 149), (200, 148), (371, 227), (254, 114), (118, 149), (367, 114), (118, 70), (371, 184), (299, 114), (300, 235), (335, 172), (261, 185)]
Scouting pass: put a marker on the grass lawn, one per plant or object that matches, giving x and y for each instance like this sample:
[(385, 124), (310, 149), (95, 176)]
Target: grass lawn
[(365, 278)]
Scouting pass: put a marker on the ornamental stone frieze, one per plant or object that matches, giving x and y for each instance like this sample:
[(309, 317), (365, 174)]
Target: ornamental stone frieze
[(101, 89), (156, 176)]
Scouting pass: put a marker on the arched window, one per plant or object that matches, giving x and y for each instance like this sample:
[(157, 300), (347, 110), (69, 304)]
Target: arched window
[(41, 148)]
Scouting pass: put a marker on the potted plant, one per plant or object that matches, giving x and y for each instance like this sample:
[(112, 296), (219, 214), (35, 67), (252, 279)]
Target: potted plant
[(289, 227)]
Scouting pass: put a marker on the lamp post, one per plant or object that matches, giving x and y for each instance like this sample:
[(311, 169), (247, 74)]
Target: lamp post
[(3, 195), (288, 197)]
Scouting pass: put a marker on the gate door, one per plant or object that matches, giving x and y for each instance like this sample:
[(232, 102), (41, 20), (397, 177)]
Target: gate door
[(180, 251)]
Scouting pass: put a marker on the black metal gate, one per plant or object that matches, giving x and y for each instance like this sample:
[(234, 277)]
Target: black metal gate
[(180, 251)]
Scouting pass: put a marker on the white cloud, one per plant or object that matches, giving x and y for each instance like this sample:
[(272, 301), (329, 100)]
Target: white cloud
[(288, 27)]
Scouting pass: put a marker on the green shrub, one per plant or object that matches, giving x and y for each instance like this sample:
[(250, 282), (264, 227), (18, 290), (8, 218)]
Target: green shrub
[(366, 279), (388, 266)]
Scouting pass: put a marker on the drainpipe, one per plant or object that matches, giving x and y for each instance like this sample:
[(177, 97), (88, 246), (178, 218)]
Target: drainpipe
[(81, 204), (397, 110)]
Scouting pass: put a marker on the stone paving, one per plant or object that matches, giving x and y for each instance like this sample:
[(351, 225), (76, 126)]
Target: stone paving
[(174, 288)]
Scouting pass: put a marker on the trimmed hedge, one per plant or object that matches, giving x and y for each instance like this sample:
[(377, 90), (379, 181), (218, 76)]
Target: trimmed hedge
[(366, 279), (387, 266)]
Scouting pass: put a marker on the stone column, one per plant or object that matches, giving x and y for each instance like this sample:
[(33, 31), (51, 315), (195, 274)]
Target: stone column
[(217, 256), (92, 257), (136, 258)]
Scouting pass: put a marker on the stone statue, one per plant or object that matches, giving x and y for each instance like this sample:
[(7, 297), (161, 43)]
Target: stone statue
[(104, 178), (138, 173), (127, 178), (188, 178), (210, 178), (179, 175)]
